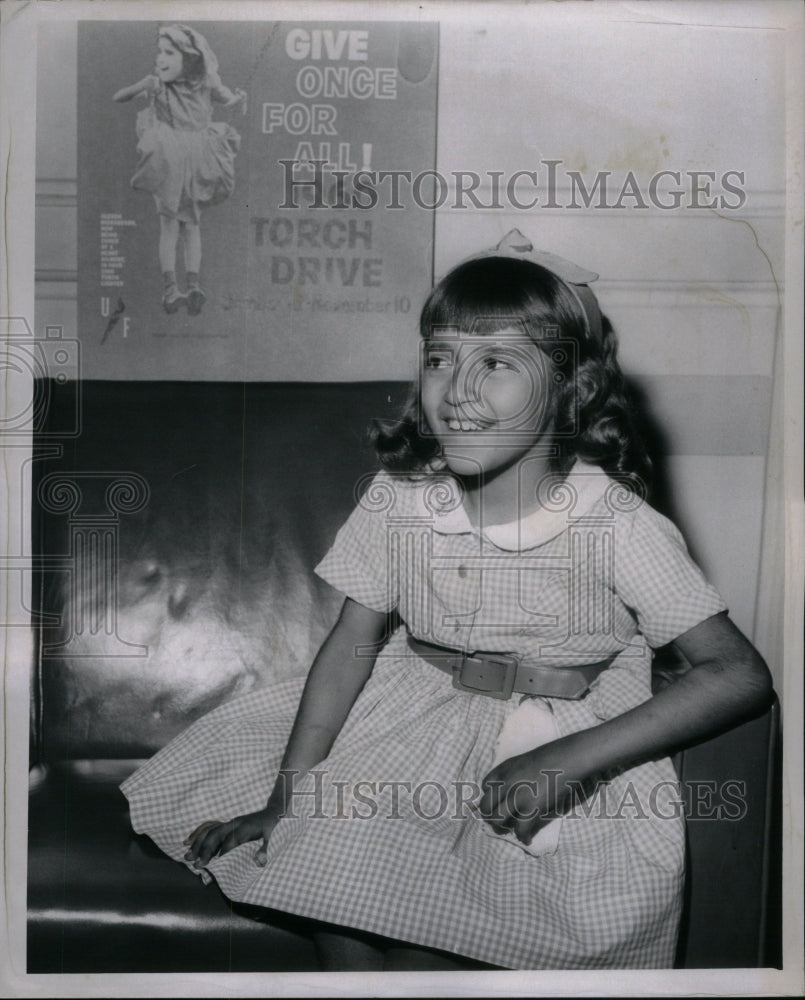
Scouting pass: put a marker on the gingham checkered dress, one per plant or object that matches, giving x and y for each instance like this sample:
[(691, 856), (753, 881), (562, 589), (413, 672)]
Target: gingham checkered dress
[(385, 841)]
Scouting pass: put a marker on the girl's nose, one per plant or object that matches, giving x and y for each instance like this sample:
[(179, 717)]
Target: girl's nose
[(463, 380), (454, 388)]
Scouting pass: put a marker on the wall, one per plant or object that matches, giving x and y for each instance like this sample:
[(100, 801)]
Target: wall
[(693, 292)]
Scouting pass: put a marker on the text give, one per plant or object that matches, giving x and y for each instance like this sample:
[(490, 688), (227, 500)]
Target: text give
[(326, 44), (298, 119)]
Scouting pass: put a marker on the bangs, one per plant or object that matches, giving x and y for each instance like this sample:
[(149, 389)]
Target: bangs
[(485, 295)]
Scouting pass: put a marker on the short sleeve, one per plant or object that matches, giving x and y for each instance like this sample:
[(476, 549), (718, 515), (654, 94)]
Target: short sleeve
[(358, 563), (657, 579)]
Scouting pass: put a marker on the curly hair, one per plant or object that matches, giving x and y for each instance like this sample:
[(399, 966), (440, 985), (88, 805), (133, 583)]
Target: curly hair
[(593, 417)]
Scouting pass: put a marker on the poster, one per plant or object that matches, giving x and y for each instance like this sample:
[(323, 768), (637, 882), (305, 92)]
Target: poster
[(293, 229), (657, 145)]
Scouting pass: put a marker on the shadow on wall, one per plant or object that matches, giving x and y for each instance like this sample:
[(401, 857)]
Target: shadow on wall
[(661, 494)]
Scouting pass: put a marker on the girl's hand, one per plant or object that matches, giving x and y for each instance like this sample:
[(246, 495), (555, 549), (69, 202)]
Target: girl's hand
[(525, 792), (214, 837), (238, 97), (150, 84), (335, 680)]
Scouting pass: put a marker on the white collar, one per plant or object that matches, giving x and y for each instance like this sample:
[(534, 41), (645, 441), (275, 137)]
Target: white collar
[(584, 483)]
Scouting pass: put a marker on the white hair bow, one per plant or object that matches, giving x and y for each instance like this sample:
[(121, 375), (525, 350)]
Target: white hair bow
[(518, 247)]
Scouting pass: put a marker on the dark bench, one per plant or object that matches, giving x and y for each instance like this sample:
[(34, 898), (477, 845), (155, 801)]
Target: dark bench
[(175, 538)]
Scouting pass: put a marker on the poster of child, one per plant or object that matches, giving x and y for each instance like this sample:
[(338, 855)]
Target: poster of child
[(232, 207), (187, 161)]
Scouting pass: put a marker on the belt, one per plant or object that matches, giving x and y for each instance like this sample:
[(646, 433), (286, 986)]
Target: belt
[(499, 675)]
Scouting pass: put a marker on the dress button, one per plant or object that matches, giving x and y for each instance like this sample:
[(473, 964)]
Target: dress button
[(462, 571)]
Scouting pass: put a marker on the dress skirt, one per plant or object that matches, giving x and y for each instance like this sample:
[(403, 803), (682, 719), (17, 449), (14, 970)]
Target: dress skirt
[(383, 836), (184, 169)]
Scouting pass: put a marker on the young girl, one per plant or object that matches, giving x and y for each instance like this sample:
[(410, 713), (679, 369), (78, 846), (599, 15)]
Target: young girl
[(187, 161), (487, 783)]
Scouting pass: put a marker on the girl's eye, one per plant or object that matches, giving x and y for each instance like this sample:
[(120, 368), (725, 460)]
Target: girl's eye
[(494, 363), (438, 359)]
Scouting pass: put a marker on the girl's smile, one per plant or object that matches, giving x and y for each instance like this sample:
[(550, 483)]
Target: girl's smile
[(485, 398), (169, 61)]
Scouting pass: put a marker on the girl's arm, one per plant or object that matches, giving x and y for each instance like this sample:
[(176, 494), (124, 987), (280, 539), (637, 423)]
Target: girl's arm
[(728, 682), (335, 680), (228, 98), (148, 83)]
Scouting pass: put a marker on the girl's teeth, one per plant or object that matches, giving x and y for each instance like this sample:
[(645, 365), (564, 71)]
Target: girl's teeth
[(463, 425)]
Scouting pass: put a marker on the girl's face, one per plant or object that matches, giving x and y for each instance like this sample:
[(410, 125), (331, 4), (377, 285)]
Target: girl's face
[(485, 398), (169, 61)]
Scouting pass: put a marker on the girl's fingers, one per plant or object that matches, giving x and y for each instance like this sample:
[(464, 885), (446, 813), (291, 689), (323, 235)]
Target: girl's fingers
[(220, 838), (198, 838), (211, 845), (502, 825), (196, 846), (207, 844), (207, 824), (511, 821), (494, 814), (525, 834), (214, 837), (511, 809)]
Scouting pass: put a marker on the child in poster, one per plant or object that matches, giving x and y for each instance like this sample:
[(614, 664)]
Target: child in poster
[(187, 161)]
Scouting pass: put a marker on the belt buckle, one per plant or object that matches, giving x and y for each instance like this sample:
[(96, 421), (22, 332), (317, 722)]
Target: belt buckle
[(499, 669)]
